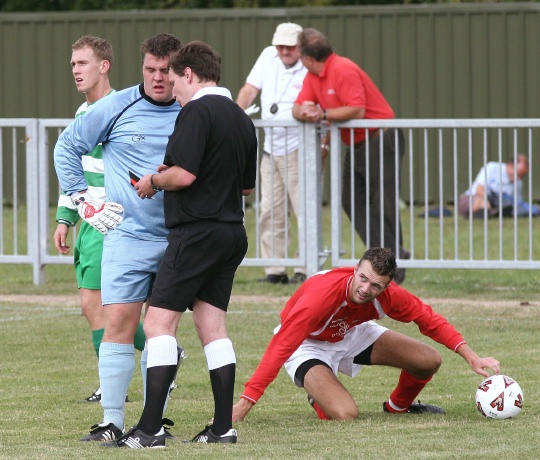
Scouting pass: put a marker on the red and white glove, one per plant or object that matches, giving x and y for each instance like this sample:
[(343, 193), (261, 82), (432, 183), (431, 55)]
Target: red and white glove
[(102, 215)]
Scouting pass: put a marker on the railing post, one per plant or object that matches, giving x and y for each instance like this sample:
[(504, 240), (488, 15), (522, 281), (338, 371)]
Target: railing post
[(313, 197), (34, 201)]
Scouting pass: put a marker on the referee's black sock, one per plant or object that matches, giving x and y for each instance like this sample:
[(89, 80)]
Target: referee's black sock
[(222, 380), (158, 380)]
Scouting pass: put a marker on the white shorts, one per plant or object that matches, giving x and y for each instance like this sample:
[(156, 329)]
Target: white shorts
[(337, 355), (128, 267)]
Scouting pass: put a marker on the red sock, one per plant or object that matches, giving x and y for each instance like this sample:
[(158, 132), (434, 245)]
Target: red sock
[(408, 388), (320, 412)]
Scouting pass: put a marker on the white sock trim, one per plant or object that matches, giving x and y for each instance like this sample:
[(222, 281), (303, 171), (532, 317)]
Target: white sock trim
[(393, 406), (219, 353), (162, 351)]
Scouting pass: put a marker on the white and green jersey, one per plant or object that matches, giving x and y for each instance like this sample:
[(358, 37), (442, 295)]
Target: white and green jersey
[(93, 174)]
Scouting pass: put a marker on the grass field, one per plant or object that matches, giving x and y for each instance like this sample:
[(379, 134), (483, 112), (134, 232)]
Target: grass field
[(47, 364)]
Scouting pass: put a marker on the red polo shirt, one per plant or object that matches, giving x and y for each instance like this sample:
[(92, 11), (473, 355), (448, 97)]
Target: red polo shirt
[(342, 83)]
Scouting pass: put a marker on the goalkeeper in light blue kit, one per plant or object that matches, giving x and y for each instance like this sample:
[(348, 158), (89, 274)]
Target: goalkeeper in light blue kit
[(133, 126), (91, 61)]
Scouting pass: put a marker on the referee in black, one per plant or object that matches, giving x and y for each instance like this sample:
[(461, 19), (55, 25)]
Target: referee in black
[(210, 164)]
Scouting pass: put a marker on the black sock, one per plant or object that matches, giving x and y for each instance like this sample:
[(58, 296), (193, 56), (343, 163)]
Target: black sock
[(222, 380), (158, 380)]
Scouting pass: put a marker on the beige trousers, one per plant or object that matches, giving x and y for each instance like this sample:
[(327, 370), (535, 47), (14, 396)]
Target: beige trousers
[(279, 194)]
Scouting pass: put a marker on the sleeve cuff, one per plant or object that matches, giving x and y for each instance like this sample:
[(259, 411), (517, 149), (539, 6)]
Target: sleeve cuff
[(65, 222), (463, 342), (249, 398)]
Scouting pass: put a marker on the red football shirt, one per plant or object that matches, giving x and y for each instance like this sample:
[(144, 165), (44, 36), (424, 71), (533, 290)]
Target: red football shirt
[(320, 310)]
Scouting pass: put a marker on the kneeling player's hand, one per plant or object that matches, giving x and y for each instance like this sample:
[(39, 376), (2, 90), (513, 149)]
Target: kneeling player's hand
[(241, 409), (102, 215)]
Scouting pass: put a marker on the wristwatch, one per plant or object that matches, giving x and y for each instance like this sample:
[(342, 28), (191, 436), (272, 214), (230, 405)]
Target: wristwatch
[(154, 186)]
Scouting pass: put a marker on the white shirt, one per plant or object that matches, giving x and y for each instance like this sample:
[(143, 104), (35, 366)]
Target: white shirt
[(212, 90), (280, 86), (493, 177)]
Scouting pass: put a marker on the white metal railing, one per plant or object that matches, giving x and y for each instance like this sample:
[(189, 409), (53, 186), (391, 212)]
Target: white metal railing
[(455, 150), (441, 159), (19, 233)]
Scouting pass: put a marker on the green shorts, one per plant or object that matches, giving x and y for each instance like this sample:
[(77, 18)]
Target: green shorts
[(87, 257)]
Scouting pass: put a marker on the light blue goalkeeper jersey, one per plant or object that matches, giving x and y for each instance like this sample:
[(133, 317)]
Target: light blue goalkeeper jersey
[(134, 131)]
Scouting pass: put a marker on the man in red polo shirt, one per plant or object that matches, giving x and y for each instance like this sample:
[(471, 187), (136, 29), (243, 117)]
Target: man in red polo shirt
[(336, 89)]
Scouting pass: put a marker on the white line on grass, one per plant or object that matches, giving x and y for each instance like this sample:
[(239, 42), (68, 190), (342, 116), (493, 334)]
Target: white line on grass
[(43, 312)]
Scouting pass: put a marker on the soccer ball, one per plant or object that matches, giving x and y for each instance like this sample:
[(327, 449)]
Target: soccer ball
[(499, 396)]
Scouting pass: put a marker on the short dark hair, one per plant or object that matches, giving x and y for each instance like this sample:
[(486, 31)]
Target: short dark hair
[(102, 48), (204, 61), (314, 44), (160, 45), (383, 261)]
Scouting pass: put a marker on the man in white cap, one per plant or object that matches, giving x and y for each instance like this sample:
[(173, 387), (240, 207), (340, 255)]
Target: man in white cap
[(277, 75)]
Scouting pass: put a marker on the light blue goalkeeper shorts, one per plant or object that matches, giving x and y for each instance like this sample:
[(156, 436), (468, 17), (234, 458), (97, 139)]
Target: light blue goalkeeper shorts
[(128, 267)]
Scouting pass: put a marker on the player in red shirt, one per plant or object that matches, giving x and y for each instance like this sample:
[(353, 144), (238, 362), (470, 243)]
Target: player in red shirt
[(327, 326)]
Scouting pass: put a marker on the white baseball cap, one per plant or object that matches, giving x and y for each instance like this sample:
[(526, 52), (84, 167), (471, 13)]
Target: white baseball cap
[(286, 34)]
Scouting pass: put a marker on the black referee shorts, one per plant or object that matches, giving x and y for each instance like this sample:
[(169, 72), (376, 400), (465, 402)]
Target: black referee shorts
[(199, 262)]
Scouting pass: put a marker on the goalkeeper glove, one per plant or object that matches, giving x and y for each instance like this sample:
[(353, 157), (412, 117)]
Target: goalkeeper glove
[(102, 215)]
